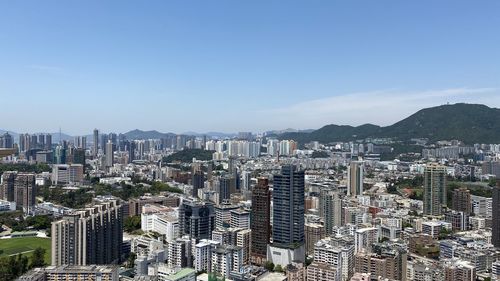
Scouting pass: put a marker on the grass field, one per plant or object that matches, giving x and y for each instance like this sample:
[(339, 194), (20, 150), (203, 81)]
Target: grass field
[(25, 245)]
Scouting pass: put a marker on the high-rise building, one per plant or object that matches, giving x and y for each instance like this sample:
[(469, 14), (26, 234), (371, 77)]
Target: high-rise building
[(288, 216), (461, 200), (459, 270), (197, 219), (288, 207), (225, 188), (495, 220), (198, 182), (387, 261), (60, 155), (96, 143), (64, 174), (335, 253), (243, 238), (226, 259), (355, 178), (109, 154), (260, 222), (6, 141), (434, 189), (92, 235), (317, 271), (240, 219), (314, 233), (330, 209), (48, 142), (19, 188)]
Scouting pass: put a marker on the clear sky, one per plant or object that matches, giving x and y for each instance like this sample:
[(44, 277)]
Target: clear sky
[(240, 65)]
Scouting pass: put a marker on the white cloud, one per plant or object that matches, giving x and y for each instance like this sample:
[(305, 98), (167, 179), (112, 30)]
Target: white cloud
[(47, 68), (383, 107)]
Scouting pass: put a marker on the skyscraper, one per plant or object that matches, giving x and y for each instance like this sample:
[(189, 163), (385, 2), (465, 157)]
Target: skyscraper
[(96, 143), (288, 216), (48, 142), (495, 220), (198, 182), (6, 141), (88, 236), (355, 178), (330, 209), (225, 184), (260, 222), (109, 154), (197, 219), (461, 200), (19, 188), (434, 189)]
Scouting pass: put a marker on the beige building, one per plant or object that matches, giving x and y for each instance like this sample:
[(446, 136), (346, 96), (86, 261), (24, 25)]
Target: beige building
[(314, 233), (92, 235), (321, 272)]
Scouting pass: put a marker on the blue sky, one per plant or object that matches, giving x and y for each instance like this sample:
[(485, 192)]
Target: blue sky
[(240, 65)]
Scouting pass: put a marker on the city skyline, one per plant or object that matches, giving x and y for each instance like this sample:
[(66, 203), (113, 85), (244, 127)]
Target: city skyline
[(231, 67)]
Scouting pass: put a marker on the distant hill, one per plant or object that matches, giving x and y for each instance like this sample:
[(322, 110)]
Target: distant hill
[(471, 123), (142, 135)]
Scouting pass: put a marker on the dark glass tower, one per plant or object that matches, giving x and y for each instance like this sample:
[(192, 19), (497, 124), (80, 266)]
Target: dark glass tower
[(495, 231), (288, 207), (197, 219)]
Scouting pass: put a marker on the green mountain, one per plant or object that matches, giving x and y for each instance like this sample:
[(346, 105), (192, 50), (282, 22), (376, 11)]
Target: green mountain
[(144, 135), (471, 123)]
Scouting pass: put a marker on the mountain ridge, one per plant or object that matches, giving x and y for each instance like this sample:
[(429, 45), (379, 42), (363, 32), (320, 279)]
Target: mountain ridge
[(471, 123)]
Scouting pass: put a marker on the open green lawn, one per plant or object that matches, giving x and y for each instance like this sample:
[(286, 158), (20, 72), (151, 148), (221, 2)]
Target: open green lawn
[(27, 245)]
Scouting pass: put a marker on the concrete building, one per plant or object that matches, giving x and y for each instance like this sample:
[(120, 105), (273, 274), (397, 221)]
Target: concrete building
[(461, 200), (223, 214), (330, 209), (364, 239), (387, 261), (260, 222), (19, 188), (109, 154), (179, 253), (314, 233), (203, 255), (80, 237), (135, 205), (226, 259), (355, 178), (321, 272), (240, 219), (337, 254), (67, 174), (243, 240), (162, 223), (434, 189), (457, 270)]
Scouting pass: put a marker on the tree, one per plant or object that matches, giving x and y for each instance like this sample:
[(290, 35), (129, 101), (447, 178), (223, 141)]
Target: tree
[(132, 223), (444, 233), (131, 260), (269, 266), (278, 268), (37, 259)]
